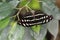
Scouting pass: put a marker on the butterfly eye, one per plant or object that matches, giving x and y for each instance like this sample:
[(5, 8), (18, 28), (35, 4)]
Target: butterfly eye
[(39, 18)]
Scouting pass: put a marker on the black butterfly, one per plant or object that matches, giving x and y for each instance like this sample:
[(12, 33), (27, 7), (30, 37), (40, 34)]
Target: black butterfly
[(28, 19)]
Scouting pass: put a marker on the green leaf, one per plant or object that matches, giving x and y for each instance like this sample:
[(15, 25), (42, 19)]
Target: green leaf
[(13, 28), (50, 8), (5, 9), (36, 28), (41, 34), (22, 3), (53, 27), (16, 32), (21, 31), (45, 39), (4, 22), (34, 4), (0, 0)]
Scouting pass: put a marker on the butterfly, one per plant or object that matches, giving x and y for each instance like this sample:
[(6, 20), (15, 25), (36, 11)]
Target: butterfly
[(27, 19)]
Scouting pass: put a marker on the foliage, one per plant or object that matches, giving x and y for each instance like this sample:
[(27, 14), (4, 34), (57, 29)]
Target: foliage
[(9, 30)]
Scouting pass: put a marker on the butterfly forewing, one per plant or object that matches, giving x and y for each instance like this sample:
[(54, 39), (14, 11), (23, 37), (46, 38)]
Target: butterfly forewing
[(29, 20)]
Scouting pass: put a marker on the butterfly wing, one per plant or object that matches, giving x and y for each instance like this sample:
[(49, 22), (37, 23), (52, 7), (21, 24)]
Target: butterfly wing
[(39, 18)]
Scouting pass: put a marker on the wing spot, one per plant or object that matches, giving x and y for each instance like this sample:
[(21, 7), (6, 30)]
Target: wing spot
[(22, 20), (27, 24), (47, 20), (44, 21), (24, 24), (44, 16)]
